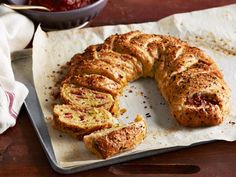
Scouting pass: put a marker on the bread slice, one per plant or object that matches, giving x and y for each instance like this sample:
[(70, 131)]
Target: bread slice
[(102, 52), (79, 122), (108, 142), (114, 59), (94, 66), (96, 82), (86, 98)]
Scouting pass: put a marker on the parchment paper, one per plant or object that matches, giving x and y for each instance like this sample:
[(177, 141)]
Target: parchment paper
[(213, 30)]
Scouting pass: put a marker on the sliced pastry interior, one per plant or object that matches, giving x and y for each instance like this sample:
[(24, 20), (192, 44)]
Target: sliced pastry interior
[(85, 98), (79, 122), (96, 82)]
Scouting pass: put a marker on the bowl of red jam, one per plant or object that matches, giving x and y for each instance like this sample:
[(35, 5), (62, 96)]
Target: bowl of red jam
[(63, 14)]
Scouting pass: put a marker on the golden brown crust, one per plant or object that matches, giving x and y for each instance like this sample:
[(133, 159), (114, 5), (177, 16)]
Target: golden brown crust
[(99, 67), (136, 44), (128, 64), (96, 82), (192, 85), (107, 143), (189, 80)]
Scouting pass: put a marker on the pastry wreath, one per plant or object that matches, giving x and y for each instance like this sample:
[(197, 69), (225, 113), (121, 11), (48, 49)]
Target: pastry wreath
[(188, 79)]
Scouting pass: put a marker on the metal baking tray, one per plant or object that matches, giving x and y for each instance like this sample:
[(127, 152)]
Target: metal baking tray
[(22, 67)]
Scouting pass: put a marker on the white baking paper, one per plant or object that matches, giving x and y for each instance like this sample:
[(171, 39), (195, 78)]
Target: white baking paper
[(213, 30)]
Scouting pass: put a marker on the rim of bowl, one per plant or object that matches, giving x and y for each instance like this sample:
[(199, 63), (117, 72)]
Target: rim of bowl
[(67, 11)]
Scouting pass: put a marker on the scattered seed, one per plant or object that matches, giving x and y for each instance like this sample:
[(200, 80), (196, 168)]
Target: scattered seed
[(122, 111)]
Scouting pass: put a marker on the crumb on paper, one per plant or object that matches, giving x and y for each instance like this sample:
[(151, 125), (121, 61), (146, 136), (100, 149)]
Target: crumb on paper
[(49, 118), (123, 110), (210, 41), (232, 123), (148, 115)]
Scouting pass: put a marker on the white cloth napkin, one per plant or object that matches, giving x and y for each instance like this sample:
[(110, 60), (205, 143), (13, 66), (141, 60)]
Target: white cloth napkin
[(16, 32)]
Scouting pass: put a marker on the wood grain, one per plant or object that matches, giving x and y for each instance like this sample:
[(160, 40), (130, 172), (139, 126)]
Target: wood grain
[(22, 155)]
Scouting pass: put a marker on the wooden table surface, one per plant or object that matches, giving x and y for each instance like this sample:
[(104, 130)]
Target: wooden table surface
[(22, 155)]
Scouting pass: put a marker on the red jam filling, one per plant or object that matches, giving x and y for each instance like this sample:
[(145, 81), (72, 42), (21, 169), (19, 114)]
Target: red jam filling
[(61, 5), (68, 115), (199, 99)]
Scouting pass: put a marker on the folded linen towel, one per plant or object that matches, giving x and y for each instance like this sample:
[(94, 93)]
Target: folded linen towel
[(16, 32)]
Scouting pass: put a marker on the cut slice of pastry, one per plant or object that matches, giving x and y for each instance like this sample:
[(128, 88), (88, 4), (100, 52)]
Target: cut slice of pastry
[(84, 98), (100, 67), (79, 122), (96, 82), (128, 64), (108, 142)]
